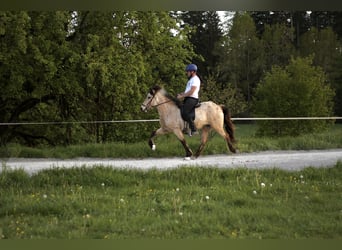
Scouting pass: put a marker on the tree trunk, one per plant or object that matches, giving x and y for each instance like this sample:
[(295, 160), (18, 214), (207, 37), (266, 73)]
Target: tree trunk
[(6, 131)]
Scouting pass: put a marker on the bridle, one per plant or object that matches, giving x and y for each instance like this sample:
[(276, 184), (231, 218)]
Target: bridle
[(153, 106)]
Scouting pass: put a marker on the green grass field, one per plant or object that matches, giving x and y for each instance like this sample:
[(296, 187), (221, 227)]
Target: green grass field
[(184, 203), (169, 146)]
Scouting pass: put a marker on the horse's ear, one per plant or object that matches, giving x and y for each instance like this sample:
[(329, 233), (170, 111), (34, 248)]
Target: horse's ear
[(152, 91), (155, 89)]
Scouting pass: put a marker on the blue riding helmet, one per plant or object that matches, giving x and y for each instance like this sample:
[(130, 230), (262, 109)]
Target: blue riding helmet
[(191, 67)]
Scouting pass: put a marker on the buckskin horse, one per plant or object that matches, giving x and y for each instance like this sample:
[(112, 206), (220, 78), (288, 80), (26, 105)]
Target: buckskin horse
[(208, 115)]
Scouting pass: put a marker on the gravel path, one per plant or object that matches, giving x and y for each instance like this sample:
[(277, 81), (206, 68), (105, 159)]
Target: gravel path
[(287, 160)]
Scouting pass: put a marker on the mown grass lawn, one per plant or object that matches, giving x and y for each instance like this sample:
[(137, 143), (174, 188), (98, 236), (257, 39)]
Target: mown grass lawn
[(169, 146), (183, 203)]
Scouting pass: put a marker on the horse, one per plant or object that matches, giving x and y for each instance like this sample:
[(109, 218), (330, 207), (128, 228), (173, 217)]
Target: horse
[(208, 115)]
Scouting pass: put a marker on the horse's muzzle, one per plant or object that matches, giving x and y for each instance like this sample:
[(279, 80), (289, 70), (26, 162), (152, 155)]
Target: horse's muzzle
[(143, 108)]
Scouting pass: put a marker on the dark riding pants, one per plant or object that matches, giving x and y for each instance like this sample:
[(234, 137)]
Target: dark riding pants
[(188, 111)]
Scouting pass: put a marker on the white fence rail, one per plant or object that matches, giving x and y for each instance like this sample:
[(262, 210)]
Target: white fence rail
[(285, 118), (156, 120)]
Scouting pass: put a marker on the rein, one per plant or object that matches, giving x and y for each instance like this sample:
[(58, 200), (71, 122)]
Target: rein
[(153, 106)]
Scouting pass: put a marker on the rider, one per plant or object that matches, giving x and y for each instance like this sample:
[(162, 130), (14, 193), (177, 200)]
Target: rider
[(190, 96)]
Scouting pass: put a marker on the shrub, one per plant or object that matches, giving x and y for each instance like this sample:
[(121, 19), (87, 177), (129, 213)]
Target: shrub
[(298, 90), (227, 95)]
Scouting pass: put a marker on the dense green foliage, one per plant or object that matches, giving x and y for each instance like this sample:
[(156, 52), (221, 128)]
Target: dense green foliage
[(299, 90), (75, 66), (182, 203), (93, 66)]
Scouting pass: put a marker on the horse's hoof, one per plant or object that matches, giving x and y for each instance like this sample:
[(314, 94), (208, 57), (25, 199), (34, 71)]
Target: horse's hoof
[(187, 158), (235, 151), (153, 147)]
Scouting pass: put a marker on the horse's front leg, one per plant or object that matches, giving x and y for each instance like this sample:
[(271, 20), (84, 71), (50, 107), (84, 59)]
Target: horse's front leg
[(159, 131)]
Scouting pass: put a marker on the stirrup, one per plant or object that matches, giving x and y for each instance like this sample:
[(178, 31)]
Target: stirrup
[(192, 133), (186, 128)]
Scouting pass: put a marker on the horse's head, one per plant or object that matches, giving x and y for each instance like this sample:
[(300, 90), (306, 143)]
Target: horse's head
[(150, 99)]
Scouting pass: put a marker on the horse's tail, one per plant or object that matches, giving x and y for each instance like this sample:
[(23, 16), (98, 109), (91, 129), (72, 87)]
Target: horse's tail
[(228, 124)]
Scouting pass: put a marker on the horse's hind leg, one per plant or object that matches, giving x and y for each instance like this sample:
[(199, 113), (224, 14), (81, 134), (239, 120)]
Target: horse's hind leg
[(159, 131), (204, 139), (180, 136), (225, 135)]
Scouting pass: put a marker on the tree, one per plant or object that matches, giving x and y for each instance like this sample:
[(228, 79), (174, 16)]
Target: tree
[(336, 82), (324, 19), (323, 44), (85, 65), (34, 63), (205, 36), (124, 54), (243, 57), (109, 71), (298, 20), (322, 41), (298, 90), (277, 42)]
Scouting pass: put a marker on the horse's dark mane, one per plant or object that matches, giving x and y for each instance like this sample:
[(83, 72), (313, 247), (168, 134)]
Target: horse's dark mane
[(155, 89), (175, 100)]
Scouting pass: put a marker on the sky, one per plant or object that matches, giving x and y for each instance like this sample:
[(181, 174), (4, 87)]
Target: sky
[(222, 15)]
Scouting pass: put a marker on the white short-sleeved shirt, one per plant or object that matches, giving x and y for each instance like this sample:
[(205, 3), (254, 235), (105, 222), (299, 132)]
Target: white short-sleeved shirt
[(194, 81)]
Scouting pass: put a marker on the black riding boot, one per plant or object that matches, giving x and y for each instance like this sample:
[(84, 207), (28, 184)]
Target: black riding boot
[(193, 130), (188, 113), (192, 126)]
